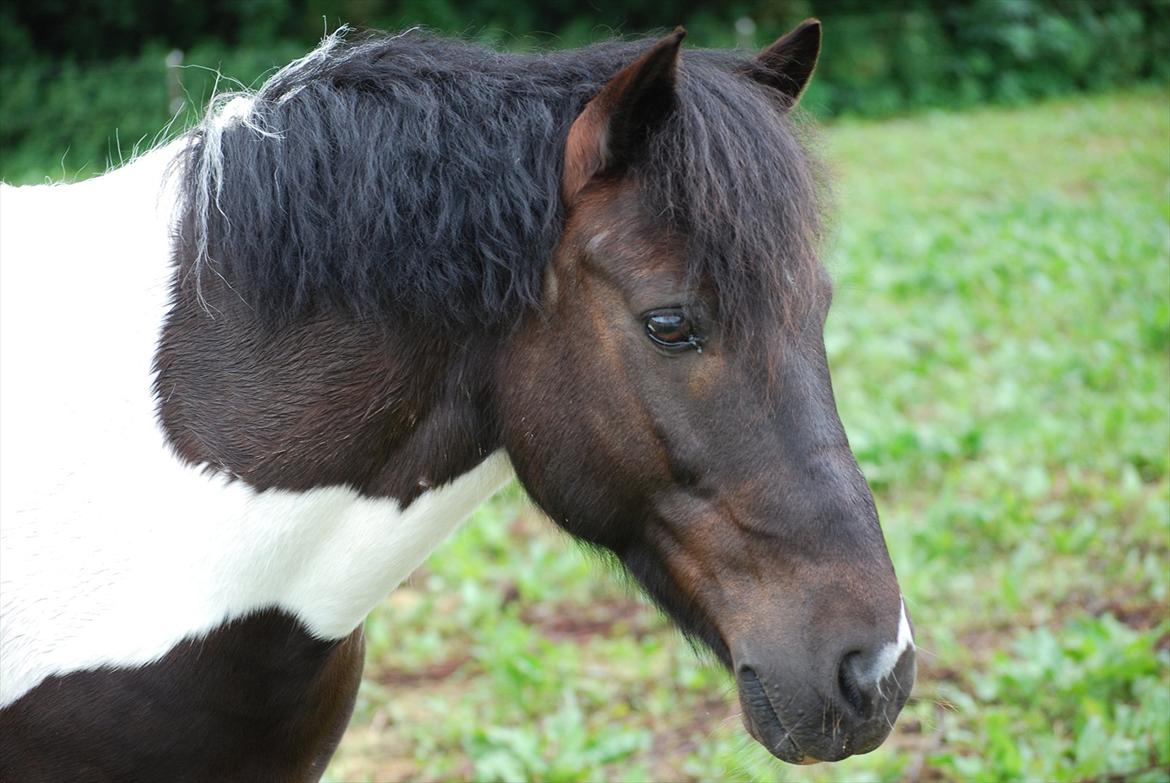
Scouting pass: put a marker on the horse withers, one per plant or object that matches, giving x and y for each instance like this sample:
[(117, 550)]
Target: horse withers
[(253, 378)]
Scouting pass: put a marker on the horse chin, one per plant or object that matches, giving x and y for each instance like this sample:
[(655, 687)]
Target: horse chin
[(777, 741), (762, 722), (784, 748), (765, 726)]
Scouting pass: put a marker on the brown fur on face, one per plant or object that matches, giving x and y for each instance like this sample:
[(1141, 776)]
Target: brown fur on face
[(724, 484), (728, 489)]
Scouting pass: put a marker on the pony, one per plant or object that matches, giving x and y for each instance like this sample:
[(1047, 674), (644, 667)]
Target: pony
[(251, 379)]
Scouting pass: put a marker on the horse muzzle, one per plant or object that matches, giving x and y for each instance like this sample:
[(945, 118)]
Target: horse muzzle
[(847, 710)]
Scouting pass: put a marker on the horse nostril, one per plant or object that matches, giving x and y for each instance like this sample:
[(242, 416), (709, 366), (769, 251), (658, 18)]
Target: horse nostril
[(855, 694)]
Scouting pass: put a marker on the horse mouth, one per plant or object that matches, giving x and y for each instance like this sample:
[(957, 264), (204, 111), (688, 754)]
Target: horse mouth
[(762, 722)]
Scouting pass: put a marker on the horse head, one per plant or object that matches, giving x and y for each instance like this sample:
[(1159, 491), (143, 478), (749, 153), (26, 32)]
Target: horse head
[(670, 401)]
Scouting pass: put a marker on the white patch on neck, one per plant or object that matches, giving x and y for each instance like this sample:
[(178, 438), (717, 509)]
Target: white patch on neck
[(112, 551), (887, 658)]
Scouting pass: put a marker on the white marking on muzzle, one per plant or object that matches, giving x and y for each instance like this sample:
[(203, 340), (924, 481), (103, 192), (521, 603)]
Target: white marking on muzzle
[(888, 657)]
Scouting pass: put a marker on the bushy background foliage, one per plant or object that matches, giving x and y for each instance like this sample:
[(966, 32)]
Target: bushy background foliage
[(91, 76)]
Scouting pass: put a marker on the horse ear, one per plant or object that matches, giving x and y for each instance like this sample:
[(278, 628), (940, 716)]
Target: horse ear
[(788, 64), (612, 128)]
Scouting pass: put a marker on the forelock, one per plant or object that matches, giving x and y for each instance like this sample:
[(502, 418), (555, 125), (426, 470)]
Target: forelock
[(731, 173)]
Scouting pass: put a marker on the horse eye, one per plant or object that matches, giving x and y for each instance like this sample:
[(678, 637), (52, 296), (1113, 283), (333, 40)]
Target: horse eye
[(671, 329)]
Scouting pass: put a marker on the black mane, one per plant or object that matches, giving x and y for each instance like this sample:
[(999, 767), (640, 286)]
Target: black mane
[(417, 175)]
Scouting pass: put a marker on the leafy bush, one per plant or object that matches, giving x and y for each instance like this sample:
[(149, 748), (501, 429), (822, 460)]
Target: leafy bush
[(70, 119), (80, 86), (988, 50)]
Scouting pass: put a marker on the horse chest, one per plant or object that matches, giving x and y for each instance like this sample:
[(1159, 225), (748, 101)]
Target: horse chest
[(85, 594), (229, 625)]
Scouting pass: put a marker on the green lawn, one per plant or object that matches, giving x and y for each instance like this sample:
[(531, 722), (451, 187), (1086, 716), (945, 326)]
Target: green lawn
[(1000, 343)]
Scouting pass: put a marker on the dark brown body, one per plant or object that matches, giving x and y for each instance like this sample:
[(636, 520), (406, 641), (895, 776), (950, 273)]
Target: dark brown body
[(256, 701)]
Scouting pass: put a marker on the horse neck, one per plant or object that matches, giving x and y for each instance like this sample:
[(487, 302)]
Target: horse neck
[(391, 410)]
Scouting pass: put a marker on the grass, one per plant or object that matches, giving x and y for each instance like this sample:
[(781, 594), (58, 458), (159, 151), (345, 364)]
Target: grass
[(1000, 344)]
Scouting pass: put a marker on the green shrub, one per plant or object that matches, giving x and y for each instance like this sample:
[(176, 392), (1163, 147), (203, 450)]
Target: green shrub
[(78, 95)]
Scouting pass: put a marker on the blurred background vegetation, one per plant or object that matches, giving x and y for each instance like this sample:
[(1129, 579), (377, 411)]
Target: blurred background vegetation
[(72, 70), (1000, 344)]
